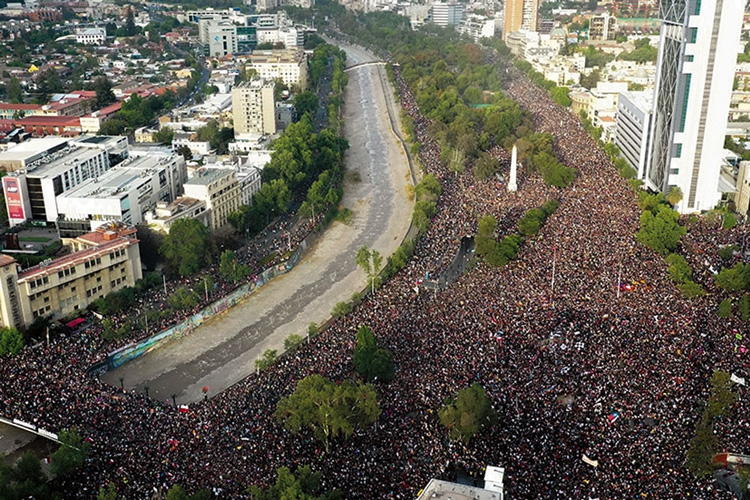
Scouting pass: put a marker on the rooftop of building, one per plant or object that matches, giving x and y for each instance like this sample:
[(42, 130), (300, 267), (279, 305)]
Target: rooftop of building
[(206, 176), (256, 83), (61, 161), (49, 120), (643, 100), (31, 147), (444, 490), (20, 107), (277, 56), (182, 204), (107, 232), (74, 258), (6, 260), (126, 176)]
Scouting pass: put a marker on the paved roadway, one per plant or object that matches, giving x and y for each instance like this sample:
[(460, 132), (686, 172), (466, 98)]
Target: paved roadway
[(223, 351)]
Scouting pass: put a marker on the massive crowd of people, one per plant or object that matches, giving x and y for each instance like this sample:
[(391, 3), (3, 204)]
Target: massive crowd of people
[(575, 365)]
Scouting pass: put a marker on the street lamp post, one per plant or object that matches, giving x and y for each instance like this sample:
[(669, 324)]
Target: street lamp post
[(122, 383), (145, 389), (174, 400)]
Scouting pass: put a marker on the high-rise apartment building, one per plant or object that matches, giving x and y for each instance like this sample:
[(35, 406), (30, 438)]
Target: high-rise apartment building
[(520, 14), (448, 14), (695, 71), (253, 107)]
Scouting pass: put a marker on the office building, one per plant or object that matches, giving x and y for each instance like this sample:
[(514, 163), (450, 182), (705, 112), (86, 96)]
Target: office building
[(217, 38), (102, 262), (448, 14), (288, 65), (219, 188), (253, 107), (124, 194), (634, 121), (520, 14), (695, 71)]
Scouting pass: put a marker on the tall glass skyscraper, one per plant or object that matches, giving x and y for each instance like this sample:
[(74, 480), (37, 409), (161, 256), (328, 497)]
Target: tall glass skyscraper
[(695, 71)]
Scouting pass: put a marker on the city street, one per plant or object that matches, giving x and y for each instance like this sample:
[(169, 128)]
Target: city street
[(223, 350)]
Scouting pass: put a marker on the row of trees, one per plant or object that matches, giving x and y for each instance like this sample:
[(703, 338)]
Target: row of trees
[(499, 253), (705, 443)]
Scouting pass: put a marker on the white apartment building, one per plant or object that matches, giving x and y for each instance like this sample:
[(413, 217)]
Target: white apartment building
[(634, 122), (91, 36), (448, 14), (289, 65), (123, 194), (253, 107), (219, 188)]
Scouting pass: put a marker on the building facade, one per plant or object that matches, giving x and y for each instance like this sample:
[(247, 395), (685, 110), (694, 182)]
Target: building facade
[(219, 188), (448, 14), (520, 14), (253, 107), (634, 113), (288, 65), (695, 70), (106, 263)]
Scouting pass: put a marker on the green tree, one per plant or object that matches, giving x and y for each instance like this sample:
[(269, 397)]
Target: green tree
[(183, 298), (165, 135), (113, 126), (14, 92), (230, 268), (187, 248), (678, 270), (371, 362), (11, 341), (465, 416), (306, 102), (130, 27), (660, 232), (71, 455), (185, 151), (484, 242), (674, 195), (734, 279), (725, 308), (744, 307), (371, 262), (104, 95), (292, 342), (108, 493), (304, 484), (330, 410), (268, 359), (729, 221), (531, 222), (485, 167)]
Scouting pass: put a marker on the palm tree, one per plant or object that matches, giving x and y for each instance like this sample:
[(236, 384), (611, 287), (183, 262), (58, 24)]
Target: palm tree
[(674, 195)]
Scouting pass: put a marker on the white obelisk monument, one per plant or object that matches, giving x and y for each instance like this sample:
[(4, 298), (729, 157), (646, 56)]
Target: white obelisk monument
[(512, 185)]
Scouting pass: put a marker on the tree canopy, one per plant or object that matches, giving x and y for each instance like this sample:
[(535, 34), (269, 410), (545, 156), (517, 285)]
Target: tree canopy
[(471, 411), (303, 484), (660, 232), (187, 248), (328, 409), (71, 455), (371, 362)]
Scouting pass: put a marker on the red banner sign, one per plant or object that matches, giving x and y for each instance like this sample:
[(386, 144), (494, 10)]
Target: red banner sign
[(12, 189)]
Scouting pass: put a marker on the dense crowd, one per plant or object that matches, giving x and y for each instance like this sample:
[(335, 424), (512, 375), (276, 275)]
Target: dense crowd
[(574, 364)]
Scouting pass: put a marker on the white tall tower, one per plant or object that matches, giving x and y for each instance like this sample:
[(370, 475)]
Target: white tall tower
[(695, 71), (512, 184)]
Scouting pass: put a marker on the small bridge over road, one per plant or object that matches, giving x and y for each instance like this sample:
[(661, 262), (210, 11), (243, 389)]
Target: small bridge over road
[(363, 64)]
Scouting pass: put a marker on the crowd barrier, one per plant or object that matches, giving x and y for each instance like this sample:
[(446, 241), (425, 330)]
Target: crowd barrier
[(131, 351)]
